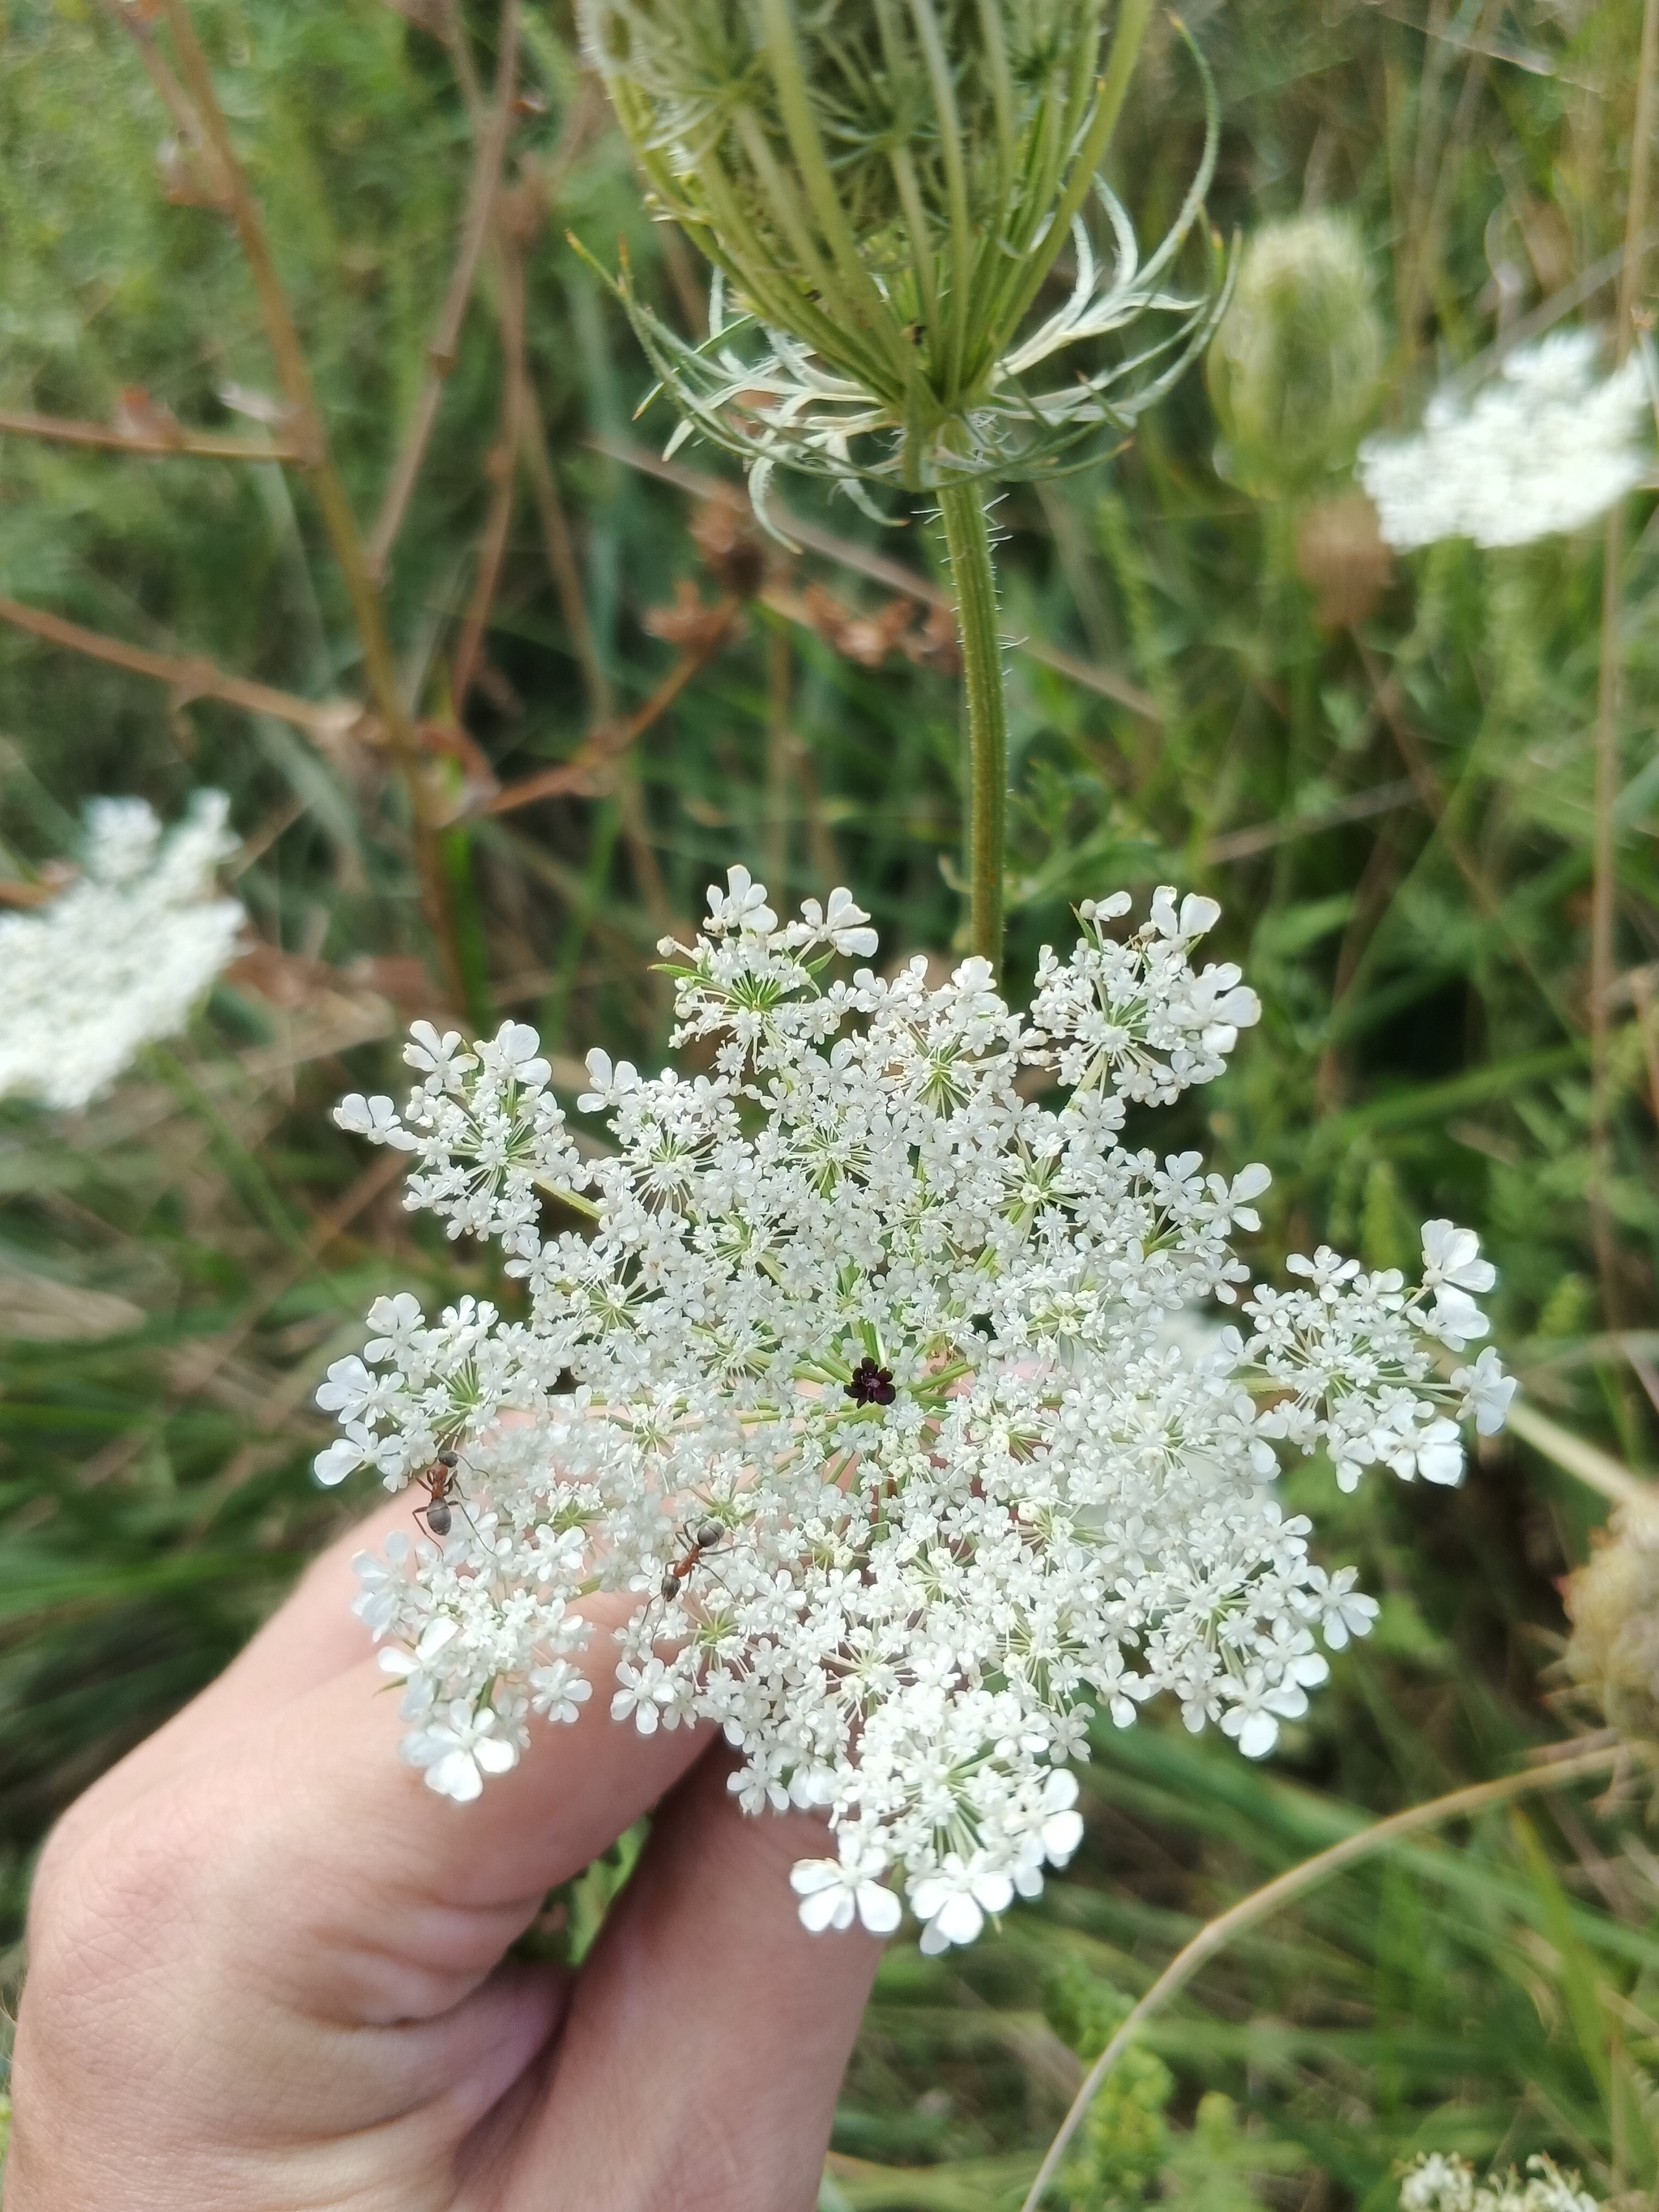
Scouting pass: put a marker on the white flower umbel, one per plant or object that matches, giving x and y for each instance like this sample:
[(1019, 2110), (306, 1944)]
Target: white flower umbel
[(119, 959), (1547, 447), (853, 1364)]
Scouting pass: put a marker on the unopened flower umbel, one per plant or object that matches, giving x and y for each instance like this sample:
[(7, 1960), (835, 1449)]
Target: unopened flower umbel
[(882, 191), (120, 957), (851, 1364)]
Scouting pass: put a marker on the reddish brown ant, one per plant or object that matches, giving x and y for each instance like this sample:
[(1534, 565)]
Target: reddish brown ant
[(709, 1533), (437, 1512)]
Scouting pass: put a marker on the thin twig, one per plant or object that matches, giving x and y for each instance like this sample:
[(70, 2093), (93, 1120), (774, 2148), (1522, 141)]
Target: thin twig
[(171, 93), (192, 677), (211, 1353), (1587, 1462), (1217, 1933), (559, 550), (1448, 167), (895, 574), (1641, 991), (488, 154), (503, 467), (1262, 836), (1605, 878), (1440, 806), (580, 776), (648, 869), (775, 818), (339, 519), (1372, 895), (56, 429)]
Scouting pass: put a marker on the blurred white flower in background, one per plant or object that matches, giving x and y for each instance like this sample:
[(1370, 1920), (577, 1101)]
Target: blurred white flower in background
[(118, 959), (1438, 2183), (1545, 446)]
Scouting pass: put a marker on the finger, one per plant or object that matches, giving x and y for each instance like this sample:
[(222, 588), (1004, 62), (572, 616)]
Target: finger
[(332, 1876), (313, 1635), (736, 2024)]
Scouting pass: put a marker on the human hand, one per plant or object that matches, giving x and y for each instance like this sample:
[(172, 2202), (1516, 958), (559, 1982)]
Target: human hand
[(266, 1967)]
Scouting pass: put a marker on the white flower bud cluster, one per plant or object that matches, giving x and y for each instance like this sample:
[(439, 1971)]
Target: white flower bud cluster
[(860, 1381), (1438, 2183), (119, 959), (1545, 447)]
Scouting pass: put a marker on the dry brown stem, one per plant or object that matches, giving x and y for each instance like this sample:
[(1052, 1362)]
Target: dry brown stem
[(1568, 1763), (589, 770), (172, 96), (502, 467), (1604, 889), (192, 676), (339, 519), (489, 152), (559, 550), (203, 444), (895, 574)]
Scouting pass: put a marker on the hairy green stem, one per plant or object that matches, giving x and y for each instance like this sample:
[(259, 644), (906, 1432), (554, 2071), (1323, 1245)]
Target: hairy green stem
[(968, 536)]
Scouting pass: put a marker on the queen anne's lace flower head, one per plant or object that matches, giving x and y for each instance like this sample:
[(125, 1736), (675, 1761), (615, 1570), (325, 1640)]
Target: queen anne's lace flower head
[(853, 1363), (1547, 447), (119, 959)]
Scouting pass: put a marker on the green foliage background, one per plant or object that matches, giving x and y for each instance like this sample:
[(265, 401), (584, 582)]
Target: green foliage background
[(1397, 814)]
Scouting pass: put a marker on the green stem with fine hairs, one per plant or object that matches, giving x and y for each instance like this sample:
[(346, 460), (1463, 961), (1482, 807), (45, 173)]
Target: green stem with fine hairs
[(968, 536)]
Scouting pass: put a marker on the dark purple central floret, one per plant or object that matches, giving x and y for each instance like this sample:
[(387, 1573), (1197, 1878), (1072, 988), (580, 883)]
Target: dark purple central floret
[(872, 1385)]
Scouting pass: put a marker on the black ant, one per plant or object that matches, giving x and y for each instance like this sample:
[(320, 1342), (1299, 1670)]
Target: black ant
[(709, 1533), (436, 1512)]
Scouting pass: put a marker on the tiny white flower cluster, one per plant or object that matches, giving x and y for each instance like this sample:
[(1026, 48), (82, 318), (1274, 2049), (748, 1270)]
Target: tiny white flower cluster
[(118, 958), (865, 1380), (1436, 2182), (1545, 447)]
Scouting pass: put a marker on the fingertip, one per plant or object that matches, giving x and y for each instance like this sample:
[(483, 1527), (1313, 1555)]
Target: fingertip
[(737, 2021)]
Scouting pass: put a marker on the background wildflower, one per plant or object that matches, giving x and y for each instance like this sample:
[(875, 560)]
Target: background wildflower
[(1545, 446), (119, 959)]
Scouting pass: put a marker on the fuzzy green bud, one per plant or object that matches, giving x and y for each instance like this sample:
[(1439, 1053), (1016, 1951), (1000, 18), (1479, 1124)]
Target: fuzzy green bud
[(1295, 362)]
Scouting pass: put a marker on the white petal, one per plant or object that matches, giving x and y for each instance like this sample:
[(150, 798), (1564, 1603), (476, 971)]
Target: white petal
[(878, 1909), (808, 1876), (340, 1458), (1061, 1834), (1258, 1735), (994, 1891), (455, 1776), (958, 1920)]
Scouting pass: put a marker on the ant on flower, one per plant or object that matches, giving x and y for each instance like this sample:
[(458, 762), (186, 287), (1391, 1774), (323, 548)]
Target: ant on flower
[(437, 1513), (708, 1535)]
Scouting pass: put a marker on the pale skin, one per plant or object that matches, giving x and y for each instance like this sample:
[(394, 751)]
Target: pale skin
[(267, 1967)]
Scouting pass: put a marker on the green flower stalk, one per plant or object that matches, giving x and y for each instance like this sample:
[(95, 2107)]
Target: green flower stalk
[(884, 188)]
